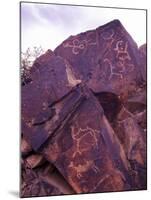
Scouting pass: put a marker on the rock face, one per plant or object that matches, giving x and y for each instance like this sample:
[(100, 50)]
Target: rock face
[(52, 79), (85, 144), (33, 185), (143, 60), (84, 116), (105, 58)]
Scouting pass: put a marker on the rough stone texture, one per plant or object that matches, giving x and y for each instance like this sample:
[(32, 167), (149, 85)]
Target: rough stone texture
[(52, 79), (143, 60), (33, 185), (25, 147), (84, 116), (105, 58), (133, 140), (38, 133), (87, 152), (34, 160)]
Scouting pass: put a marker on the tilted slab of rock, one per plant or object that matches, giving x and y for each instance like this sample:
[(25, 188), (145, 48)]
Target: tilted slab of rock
[(87, 152), (49, 84), (52, 80), (105, 58), (33, 185), (133, 140), (37, 134), (34, 160), (57, 180)]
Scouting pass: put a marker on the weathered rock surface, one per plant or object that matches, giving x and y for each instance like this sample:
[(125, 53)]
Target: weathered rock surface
[(87, 152), (84, 116), (143, 60), (33, 185), (52, 79), (106, 58), (133, 140)]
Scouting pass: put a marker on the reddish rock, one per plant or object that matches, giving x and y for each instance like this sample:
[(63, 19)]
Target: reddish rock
[(143, 60), (37, 134), (25, 147), (105, 58), (52, 79), (57, 180), (87, 152), (133, 140), (74, 93), (34, 160), (32, 185)]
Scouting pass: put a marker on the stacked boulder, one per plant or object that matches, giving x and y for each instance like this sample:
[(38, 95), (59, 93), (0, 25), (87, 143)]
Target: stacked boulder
[(83, 113)]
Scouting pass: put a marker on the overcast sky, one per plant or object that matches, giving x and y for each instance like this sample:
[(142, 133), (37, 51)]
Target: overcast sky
[(48, 25)]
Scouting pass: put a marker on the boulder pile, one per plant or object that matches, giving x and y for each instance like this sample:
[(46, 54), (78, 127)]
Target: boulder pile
[(83, 116)]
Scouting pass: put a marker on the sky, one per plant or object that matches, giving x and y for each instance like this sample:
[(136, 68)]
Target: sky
[(48, 25)]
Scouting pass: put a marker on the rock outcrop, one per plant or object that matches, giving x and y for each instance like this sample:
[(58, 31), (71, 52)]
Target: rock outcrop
[(84, 116)]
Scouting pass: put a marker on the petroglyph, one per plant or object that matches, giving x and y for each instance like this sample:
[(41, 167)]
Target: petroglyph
[(73, 115), (78, 45), (79, 169), (121, 49), (112, 70), (79, 135)]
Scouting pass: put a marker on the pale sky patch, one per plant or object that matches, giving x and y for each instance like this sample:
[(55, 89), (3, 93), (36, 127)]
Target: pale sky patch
[(48, 25)]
